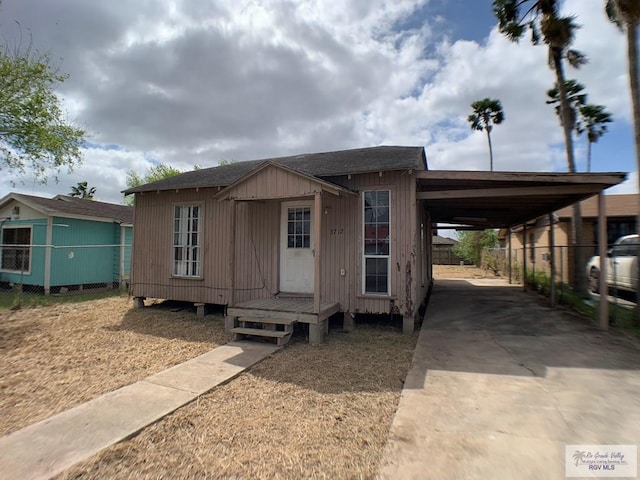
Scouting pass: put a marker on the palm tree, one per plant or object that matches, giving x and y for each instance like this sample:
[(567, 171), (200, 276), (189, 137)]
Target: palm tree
[(583, 116), (595, 119), (626, 15), (575, 98), (486, 113), (543, 19), (82, 190)]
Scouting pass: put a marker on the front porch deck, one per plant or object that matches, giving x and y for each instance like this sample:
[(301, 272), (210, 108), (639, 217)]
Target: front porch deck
[(290, 309)]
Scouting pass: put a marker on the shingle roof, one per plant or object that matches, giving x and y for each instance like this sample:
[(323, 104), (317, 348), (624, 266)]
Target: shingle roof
[(64, 205), (616, 206), (328, 164), (438, 240)]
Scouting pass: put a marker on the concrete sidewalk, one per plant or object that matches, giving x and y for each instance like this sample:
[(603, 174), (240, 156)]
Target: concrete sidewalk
[(500, 383), (47, 448)]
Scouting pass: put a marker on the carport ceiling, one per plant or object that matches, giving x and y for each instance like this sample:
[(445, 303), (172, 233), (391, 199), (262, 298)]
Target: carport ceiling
[(504, 199)]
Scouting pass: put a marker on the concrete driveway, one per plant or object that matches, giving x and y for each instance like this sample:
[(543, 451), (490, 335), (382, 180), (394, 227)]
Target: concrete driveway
[(501, 383)]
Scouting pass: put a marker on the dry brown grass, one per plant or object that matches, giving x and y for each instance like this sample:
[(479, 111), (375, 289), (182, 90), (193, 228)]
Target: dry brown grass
[(458, 271), (306, 412), (53, 358)]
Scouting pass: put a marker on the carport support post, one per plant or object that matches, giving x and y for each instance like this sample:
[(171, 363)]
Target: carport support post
[(524, 256), (510, 261), (602, 251), (552, 262)]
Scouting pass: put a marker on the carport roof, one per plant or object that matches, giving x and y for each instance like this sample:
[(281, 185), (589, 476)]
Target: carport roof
[(504, 199)]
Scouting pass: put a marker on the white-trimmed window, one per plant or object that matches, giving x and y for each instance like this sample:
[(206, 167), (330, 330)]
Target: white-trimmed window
[(16, 249), (187, 228), (376, 242)]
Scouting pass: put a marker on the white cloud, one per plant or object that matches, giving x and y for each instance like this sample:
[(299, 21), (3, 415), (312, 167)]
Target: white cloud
[(194, 82), (104, 169), (630, 185)]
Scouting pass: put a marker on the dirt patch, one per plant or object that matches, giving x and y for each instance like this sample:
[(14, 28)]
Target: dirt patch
[(53, 358), (306, 412), (461, 271)]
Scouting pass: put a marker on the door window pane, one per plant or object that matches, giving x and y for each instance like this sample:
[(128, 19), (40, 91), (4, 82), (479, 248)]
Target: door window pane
[(299, 227)]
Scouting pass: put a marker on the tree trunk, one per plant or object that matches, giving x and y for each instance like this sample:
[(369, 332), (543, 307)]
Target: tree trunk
[(490, 151), (579, 280), (632, 52), (589, 143)]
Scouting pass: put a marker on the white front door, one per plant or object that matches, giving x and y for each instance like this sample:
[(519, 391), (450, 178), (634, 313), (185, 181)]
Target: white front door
[(296, 247)]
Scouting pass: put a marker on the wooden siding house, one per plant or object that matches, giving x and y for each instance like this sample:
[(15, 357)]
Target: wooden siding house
[(50, 243), (306, 236), (298, 239)]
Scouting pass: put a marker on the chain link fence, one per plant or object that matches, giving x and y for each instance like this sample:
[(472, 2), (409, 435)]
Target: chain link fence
[(29, 271), (621, 274)]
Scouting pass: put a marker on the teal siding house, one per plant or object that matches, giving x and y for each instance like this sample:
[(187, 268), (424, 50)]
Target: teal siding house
[(51, 243)]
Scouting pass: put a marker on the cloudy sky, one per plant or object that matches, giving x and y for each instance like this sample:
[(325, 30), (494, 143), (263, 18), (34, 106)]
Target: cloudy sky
[(193, 82)]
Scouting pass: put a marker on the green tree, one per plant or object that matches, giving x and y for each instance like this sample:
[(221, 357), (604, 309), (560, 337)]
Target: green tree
[(472, 243), (486, 113), (557, 32), (153, 174), (82, 190), (35, 136), (225, 161)]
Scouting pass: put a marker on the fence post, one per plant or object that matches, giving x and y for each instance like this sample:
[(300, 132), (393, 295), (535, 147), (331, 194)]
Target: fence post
[(602, 247), (47, 255), (552, 261)]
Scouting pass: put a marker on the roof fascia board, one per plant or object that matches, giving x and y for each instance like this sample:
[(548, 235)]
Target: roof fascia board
[(506, 192), (608, 178)]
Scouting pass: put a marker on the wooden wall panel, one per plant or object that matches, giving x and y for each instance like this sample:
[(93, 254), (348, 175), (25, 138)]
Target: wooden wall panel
[(257, 240), (344, 250), (274, 183)]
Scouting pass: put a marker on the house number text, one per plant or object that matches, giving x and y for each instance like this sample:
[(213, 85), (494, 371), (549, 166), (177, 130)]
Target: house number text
[(337, 231)]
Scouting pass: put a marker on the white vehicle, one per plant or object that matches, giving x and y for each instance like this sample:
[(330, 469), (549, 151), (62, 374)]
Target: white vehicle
[(622, 266)]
